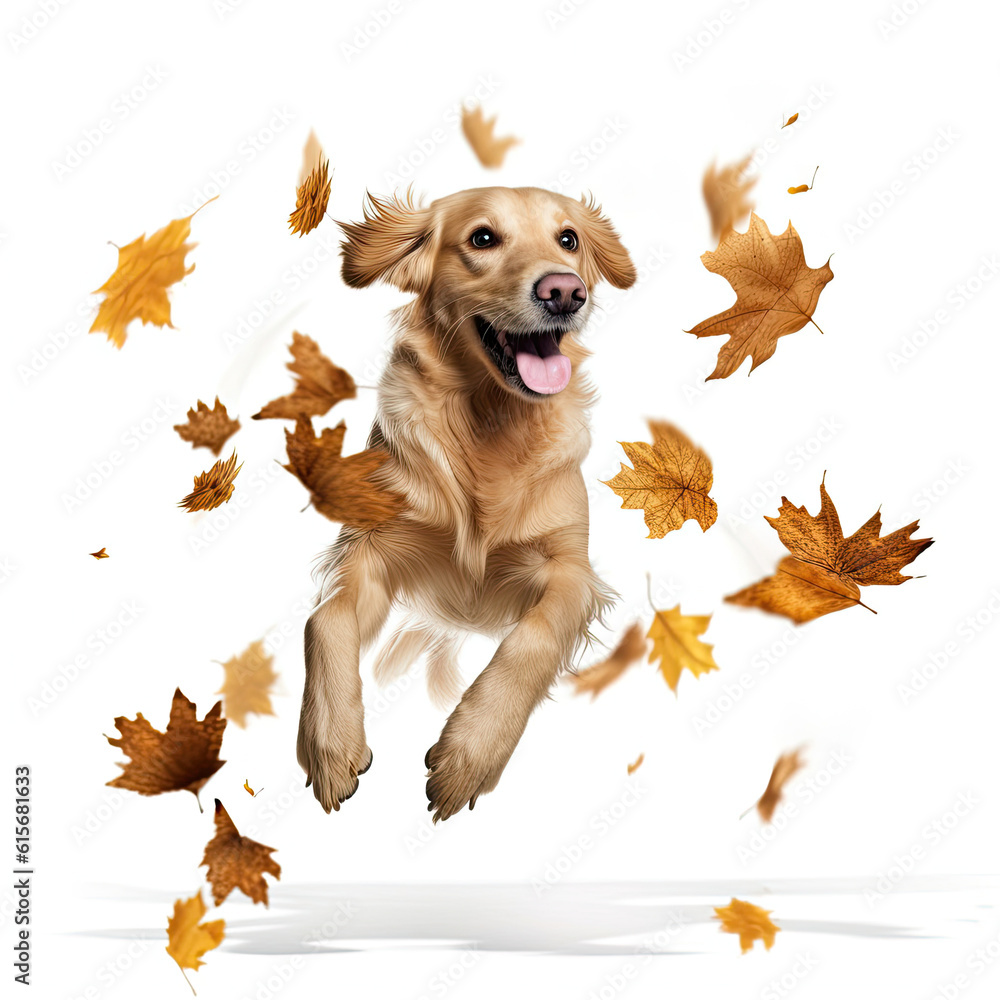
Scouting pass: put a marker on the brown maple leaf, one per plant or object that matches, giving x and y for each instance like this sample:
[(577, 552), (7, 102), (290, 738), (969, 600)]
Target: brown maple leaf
[(669, 482), (138, 287), (825, 569), (187, 939), (208, 428), (726, 194), (100, 553), (785, 767), (751, 922), (489, 150), (182, 758), (629, 650), (213, 488), (776, 294), (340, 487), (319, 384), (247, 685), (313, 193), (236, 862)]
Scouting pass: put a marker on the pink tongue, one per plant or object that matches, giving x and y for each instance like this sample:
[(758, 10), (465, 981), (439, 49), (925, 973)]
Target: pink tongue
[(549, 374)]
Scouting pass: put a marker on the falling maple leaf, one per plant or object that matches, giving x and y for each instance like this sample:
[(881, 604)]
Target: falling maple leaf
[(319, 384), (187, 938), (802, 188), (632, 768), (776, 293), (182, 758), (100, 553), (825, 569), (489, 150), (595, 679), (313, 193), (138, 287), (340, 486), (246, 785), (784, 767), (247, 685), (726, 194), (670, 481), (213, 488), (792, 120), (751, 923), (676, 644), (236, 862), (208, 428)]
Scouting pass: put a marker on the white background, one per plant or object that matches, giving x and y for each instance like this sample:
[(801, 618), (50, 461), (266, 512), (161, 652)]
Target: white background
[(630, 101)]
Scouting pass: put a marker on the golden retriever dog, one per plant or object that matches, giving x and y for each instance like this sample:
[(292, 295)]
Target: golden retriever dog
[(483, 410)]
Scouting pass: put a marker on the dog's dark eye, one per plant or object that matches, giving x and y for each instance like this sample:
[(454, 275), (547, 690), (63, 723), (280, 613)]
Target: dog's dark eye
[(483, 238), (568, 240)]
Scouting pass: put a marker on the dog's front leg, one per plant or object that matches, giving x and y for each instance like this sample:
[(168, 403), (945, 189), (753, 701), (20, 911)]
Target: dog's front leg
[(486, 725), (332, 747)]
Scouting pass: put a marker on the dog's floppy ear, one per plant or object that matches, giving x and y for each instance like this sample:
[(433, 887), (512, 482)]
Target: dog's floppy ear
[(393, 243), (603, 253)]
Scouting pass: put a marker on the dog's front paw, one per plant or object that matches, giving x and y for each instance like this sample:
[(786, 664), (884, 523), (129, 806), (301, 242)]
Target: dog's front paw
[(459, 770), (333, 761)]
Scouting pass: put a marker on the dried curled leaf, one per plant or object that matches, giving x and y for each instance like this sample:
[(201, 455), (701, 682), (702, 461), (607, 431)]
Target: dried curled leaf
[(208, 428), (101, 553), (726, 193), (187, 938), (670, 481), (785, 767), (138, 287), (489, 150), (313, 193), (776, 294), (751, 923), (676, 645), (633, 767), (236, 862), (182, 758), (631, 648), (319, 384), (213, 488), (824, 571), (341, 487), (792, 120), (247, 686)]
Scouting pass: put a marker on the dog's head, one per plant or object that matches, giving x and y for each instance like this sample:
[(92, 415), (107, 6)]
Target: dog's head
[(506, 273)]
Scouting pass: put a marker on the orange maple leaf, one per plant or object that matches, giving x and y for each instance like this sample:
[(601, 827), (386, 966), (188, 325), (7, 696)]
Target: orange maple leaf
[(319, 384), (208, 428), (489, 150), (213, 488), (630, 649), (669, 482), (236, 862), (182, 758), (101, 553), (726, 193), (313, 193), (633, 767), (187, 939), (784, 768), (341, 487), (776, 294), (138, 287), (751, 923), (825, 569)]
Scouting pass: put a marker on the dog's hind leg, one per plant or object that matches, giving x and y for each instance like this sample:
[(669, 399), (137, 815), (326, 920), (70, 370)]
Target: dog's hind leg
[(332, 748)]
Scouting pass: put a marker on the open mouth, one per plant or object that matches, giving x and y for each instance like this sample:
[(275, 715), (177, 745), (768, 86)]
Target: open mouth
[(530, 362)]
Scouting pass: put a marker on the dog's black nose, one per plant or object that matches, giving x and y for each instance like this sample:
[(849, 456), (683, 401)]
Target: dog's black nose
[(561, 293)]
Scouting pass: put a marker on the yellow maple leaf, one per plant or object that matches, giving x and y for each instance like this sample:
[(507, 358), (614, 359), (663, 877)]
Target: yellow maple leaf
[(676, 644), (138, 287), (187, 938), (751, 923), (669, 482), (247, 685), (489, 149)]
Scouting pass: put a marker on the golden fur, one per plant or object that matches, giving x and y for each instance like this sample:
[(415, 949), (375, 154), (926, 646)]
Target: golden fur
[(495, 537)]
